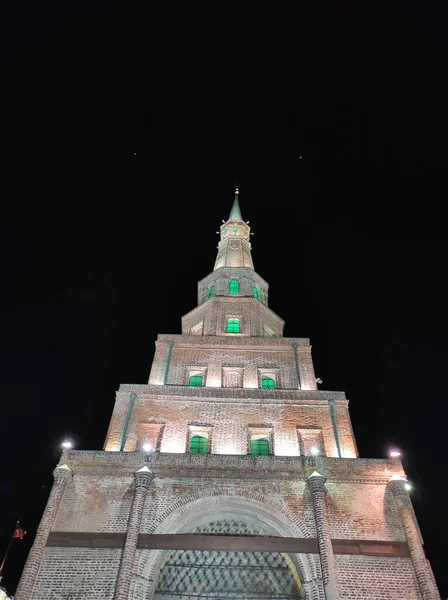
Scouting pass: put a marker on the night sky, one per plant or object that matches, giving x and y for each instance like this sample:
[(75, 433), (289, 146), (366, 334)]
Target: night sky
[(124, 132)]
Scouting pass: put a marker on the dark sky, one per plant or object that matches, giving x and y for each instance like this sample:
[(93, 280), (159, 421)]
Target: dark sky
[(123, 134)]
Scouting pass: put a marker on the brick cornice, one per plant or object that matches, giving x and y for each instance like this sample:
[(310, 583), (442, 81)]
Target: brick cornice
[(221, 394), (220, 466), (245, 342)]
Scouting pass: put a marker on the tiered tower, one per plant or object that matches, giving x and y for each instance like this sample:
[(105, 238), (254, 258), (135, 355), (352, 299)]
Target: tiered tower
[(229, 475)]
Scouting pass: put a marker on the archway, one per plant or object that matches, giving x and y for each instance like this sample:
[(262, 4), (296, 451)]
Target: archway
[(249, 513), (205, 574)]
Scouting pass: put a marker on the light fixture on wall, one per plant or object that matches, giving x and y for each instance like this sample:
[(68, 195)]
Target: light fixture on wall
[(147, 449), (67, 444), (318, 380)]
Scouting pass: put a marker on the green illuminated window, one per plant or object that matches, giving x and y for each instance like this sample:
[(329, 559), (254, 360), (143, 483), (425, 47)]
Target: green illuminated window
[(259, 447), (198, 445), (256, 294), (234, 286), (233, 325), (267, 383), (195, 381), (211, 291), (235, 229)]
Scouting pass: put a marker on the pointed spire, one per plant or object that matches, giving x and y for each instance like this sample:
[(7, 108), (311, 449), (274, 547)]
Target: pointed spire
[(144, 469), (234, 245), (235, 213), (315, 474)]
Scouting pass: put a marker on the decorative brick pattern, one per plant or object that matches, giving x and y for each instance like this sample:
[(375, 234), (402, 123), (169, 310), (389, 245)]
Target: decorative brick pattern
[(62, 476), (143, 480), (316, 484), (407, 516)]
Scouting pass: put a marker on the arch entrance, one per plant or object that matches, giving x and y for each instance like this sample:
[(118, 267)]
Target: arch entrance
[(214, 575)]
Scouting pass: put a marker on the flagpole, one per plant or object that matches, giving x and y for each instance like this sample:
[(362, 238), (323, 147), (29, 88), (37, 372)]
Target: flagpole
[(7, 550)]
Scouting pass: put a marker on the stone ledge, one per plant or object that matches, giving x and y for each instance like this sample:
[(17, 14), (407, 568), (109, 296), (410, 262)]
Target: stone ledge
[(218, 394), (247, 341), (179, 465)]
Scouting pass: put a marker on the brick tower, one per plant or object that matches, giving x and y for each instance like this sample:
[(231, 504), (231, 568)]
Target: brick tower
[(229, 475)]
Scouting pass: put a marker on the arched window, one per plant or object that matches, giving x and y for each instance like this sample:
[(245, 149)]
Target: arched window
[(233, 325), (256, 293), (234, 286), (198, 445), (195, 381), (259, 447), (211, 291), (267, 383)]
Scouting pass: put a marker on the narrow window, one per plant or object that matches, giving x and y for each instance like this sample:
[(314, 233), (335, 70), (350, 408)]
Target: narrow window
[(235, 229), (233, 325), (267, 383), (259, 447), (198, 445), (256, 294), (211, 291), (195, 381), (234, 286)]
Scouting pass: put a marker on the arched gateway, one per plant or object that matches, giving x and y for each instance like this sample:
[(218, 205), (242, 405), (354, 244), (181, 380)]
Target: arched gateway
[(201, 574)]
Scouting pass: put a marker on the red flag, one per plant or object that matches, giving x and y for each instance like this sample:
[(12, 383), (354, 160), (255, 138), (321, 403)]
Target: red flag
[(19, 532)]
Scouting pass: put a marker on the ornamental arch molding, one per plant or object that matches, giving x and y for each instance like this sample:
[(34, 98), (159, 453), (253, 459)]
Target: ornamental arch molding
[(192, 510)]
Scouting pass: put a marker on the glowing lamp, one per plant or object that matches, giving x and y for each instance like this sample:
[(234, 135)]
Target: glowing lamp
[(407, 486), (314, 451), (394, 453), (67, 444), (147, 447)]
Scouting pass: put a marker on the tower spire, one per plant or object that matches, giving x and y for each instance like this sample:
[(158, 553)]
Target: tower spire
[(234, 249), (235, 213)]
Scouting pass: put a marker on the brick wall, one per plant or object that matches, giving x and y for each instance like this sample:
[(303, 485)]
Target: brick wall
[(77, 573), (96, 503), (362, 511), (251, 312), (98, 500), (248, 408), (374, 577), (191, 489), (221, 277)]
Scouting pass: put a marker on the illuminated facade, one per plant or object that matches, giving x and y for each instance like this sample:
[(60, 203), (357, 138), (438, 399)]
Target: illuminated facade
[(229, 475)]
